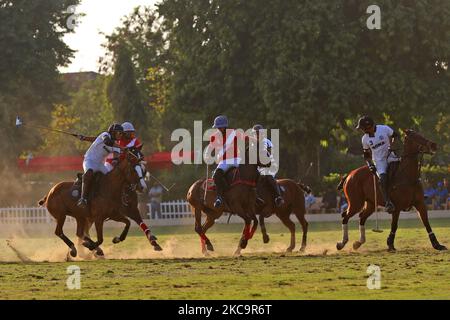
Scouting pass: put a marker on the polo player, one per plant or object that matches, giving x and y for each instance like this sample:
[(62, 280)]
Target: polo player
[(377, 141)]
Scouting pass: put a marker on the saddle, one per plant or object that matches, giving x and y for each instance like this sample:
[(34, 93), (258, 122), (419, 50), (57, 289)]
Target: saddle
[(232, 178), (75, 190)]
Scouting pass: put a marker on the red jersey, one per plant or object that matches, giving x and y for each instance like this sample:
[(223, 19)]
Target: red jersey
[(125, 143), (227, 147)]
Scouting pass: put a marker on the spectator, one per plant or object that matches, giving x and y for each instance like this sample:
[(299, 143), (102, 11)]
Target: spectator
[(441, 196), (446, 185), (343, 205), (329, 200), (143, 200), (429, 194), (309, 200), (155, 195)]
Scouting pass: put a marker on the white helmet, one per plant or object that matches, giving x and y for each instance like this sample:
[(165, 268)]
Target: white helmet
[(127, 127)]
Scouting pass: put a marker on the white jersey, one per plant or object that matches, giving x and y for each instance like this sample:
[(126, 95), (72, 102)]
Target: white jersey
[(273, 169), (379, 144), (99, 151)]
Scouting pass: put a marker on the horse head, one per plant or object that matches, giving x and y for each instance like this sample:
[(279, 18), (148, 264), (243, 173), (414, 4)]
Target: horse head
[(416, 143), (136, 169)]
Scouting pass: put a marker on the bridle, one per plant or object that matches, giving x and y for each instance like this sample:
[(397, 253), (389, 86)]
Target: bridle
[(419, 154)]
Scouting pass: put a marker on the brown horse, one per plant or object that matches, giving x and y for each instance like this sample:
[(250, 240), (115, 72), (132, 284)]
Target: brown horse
[(294, 202), (128, 210), (240, 199), (106, 202), (405, 191)]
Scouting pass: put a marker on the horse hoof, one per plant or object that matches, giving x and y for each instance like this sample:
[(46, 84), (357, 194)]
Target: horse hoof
[(116, 240), (440, 247), (266, 238), (392, 249), (289, 250), (156, 246), (209, 246), (302, 249), (356, 245), (89, 245), (73, 252), (340, 245)]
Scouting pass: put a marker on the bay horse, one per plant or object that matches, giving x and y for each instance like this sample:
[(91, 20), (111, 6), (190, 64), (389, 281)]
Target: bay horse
[(294, 202), (405, 190), (128, 210), (240, 199), (105, 202)]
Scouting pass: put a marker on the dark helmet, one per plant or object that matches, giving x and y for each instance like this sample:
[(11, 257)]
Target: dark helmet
[(220, 122), (257, 127), (115, 127), (365, 122)]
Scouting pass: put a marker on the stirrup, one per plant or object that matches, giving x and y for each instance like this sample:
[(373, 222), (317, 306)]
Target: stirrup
[(218, 202), (279, 201), (82, 203), (389, 206)]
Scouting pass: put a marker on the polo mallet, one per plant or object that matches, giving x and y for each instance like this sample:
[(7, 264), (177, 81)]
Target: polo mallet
[(378, 230), (167, 189), (20, 123), (206, 182)]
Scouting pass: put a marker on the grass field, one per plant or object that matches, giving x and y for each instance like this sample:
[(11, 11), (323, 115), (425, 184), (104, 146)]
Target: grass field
[(133, 271)]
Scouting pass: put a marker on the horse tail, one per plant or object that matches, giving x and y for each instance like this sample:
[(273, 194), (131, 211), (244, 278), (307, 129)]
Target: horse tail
[(304, 187), (43, 201), (341, 183)]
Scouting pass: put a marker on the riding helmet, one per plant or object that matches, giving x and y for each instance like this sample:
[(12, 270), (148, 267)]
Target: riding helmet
[(115, 127), (365, 122), (128, 127), (220, 122)]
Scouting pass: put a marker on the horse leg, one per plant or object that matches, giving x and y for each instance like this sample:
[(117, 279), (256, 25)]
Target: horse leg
[(350, 212), (151, 238), (300, 214), (423, 213), (367, 211), (254, 227), (244, 237), (59, 232), (291, 226), (394, 226), (266, 238), (124, 233), (205, 242)]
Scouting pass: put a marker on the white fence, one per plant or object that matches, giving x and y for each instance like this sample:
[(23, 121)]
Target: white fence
[(177, 213)]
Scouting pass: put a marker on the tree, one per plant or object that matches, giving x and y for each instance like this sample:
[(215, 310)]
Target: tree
[(32, 49), (123, 91)]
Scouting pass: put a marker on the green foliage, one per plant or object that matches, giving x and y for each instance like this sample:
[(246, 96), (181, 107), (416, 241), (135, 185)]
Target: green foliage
[(434, 174), (307, 67), (32, 49)]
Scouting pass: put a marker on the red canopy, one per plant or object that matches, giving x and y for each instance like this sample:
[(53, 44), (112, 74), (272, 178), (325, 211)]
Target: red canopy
[(158, 160)]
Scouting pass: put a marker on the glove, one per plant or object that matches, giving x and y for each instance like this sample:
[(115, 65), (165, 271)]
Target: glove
[(373, 168)]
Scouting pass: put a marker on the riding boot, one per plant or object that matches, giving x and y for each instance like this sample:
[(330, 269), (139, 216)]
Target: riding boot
[(219, 180), (389, 206), (276, 190), (85, 188)]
